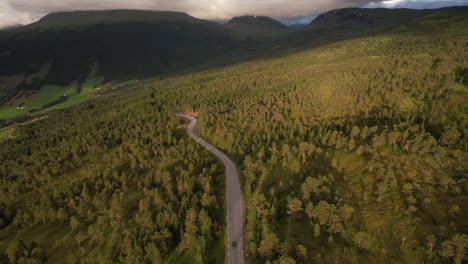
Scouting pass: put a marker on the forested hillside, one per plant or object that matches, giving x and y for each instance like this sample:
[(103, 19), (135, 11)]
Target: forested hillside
[(350, 152), (117, 45), (113, 180), (354, 152)]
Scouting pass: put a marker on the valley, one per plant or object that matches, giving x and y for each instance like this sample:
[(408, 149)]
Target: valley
[(343, 141)]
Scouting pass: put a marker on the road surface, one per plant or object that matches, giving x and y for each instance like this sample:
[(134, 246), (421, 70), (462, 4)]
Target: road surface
[(234, 200)]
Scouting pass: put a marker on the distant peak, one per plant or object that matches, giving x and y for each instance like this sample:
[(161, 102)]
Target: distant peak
[(112, 12), (73, 19), (253, 24), (253, 19)]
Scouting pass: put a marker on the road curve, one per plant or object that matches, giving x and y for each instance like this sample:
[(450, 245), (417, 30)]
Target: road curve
[(234, 200)]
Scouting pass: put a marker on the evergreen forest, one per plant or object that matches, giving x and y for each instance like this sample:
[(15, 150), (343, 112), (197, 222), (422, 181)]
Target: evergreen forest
[(349, 150)]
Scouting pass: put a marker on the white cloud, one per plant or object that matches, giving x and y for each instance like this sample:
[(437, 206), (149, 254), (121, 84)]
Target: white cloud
[(418, 4), (10, 16), (26, 11)]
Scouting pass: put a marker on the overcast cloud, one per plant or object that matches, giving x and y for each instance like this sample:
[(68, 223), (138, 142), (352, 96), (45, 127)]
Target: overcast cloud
[(417, 4), (27, 11)]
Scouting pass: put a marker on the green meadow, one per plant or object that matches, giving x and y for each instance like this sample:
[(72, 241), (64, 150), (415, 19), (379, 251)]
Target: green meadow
[(51, 93)]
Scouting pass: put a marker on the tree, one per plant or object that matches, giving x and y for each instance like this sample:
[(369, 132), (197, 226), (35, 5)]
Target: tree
[(323, 212), (81, 237), (286, 260), (355, 131), (85, 192), (450, 137), (335, 224), (301, 252), (269, 246), (332, 139), (408, 188), (317, 230), (153, 255), (394, 137), (191, 230), (346, 212), (379, 140), (446, 181), (37, 254), (309, 210), (205, 223), (362, 240), (258, 202), (311, 187), (294, 206), (116, 210), (341, 142), (431, 240), (455, 248), (15, 250), (206, 200), (74, 223), (454, 210), (360, 150), (351, 144), (364, 132)]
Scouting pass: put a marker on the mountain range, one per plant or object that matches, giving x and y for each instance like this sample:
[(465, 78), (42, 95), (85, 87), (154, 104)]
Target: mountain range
[(67, 47)]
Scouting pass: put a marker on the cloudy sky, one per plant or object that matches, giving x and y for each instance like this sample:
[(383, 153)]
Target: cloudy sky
[(26, 11)]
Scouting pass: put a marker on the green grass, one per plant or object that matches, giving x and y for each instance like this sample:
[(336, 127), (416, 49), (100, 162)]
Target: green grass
[(49, 93), (7, 112), (92, 83), (88, 87), (75, 99)]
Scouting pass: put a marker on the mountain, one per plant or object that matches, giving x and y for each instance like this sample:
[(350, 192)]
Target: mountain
[(255, 25), (115, 44), (341, 24), (373, 18), (68, 48)]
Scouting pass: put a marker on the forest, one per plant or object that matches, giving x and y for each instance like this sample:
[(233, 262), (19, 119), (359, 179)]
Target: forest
[(354, 151)]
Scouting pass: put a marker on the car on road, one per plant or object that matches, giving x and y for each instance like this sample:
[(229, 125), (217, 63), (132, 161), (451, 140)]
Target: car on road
[(234, 244)]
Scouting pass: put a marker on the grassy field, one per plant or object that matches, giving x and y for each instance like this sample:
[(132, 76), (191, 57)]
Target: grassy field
[(75, 99), (47, 94), (50, 93), (92, 83), (88, 87), (7, 112)]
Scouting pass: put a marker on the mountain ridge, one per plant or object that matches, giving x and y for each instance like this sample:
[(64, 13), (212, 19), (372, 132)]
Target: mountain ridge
[(155, 43), (252, 24), (375, 17)]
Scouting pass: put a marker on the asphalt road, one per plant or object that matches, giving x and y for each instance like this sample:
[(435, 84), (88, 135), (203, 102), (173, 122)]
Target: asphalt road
[(234, 200)]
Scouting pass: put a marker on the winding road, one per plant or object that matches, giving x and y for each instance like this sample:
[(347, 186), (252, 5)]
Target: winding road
[(234, 200)]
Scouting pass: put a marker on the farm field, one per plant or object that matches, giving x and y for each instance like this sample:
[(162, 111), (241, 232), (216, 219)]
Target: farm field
[(50, 93)]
